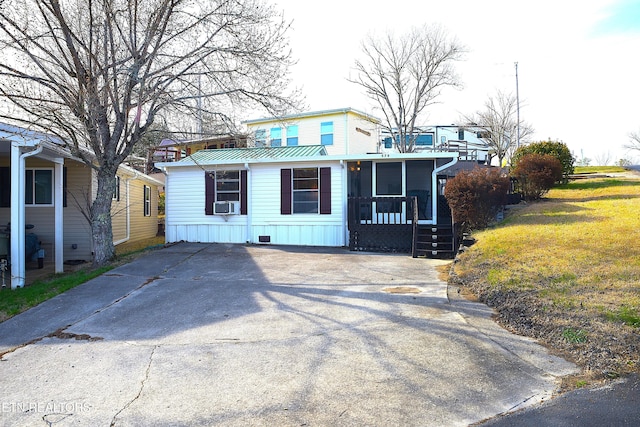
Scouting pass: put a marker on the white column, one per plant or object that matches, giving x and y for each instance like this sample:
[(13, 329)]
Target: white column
[(17, 218), (58, 196)]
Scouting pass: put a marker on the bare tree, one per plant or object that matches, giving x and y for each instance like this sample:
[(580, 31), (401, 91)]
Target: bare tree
[(99, 72), (499, 120), (603, 158), (404, 75), (634, 141)]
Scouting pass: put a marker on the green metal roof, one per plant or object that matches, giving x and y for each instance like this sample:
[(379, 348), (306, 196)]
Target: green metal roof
[(228, 155)]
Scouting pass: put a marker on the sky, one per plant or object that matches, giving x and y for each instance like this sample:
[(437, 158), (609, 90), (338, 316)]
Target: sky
[(578, 62)]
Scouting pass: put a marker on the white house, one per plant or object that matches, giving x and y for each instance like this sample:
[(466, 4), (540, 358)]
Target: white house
[(302, 195), (340, 131)]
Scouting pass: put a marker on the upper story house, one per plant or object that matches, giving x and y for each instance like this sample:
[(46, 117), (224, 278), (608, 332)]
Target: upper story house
[(342, 131)]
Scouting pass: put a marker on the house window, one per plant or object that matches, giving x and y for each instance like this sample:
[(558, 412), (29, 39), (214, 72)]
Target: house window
[(276, 137), (227, 186), (38, 187), (292, 135), (147, 200), (424, 139), (326, 133), (261, 137), (305, 190), (222, 186), (116, 190)]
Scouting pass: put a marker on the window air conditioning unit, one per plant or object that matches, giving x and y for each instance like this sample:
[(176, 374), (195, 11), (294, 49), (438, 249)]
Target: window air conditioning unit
[(226, 208)]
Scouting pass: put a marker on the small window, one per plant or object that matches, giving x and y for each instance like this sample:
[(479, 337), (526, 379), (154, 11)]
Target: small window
[(292, 135), (147, 200), (326, 133), (116, 190), (424, 139), (276, 137), (305, 190), (5, 187), (227, 186), (461, 134), (38, 187), (261, 137)]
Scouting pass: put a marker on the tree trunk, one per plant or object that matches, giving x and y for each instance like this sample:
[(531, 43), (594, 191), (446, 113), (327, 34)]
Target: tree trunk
[(101, 231)]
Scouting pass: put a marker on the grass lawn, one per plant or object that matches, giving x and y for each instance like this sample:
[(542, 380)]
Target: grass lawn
[(566, 270), (598, 169), (14, 302)]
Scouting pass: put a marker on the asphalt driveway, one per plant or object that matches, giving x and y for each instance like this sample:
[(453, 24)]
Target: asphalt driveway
[(211, 334)]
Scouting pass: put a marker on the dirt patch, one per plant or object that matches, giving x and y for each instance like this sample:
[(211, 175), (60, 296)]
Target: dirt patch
[(68, 336), (402, 290), (602, 349)]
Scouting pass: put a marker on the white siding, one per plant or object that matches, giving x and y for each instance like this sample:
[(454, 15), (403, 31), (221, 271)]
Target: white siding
[(186, 219), (185, 212)]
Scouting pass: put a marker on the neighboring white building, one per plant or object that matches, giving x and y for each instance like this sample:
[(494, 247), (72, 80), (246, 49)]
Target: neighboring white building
[(466, 140), (340, 131)]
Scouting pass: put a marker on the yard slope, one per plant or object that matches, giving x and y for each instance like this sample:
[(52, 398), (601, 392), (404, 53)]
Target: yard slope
[(566, 271)]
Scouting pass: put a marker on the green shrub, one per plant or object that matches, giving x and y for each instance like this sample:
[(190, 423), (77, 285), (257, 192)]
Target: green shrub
[(476, 196), (536, 174), (557, 149)]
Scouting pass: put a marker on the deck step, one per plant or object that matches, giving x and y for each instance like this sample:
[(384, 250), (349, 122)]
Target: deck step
[(434, 241)]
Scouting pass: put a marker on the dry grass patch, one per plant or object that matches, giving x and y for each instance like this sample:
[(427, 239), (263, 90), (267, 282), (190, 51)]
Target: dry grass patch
[(566, 270)]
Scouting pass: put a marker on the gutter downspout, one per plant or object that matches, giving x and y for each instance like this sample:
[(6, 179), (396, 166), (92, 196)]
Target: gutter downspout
[(248, 237), (18, 261), (434, 186), (345, 204)]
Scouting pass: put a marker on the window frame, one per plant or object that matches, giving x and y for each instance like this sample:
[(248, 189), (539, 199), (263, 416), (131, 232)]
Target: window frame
[(292, 136), (260, 137), (275, 135), (303, 189), (326, 133), (323, 191), (33, 190), (147, 200), (116, 190), (219, 180)]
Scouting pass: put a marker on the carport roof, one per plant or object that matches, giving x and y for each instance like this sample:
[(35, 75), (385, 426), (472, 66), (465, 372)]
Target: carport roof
[(225, 155)]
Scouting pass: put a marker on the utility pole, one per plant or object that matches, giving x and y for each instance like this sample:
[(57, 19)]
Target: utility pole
[(517, 107)]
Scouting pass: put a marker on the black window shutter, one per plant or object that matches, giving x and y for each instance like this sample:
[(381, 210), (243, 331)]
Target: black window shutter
[(325, 190), (209, 192), (285, 191), (5, 187), (64, 187), (243, 192)]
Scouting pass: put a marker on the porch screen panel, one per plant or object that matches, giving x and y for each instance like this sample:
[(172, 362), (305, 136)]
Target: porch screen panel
[(389, 179)]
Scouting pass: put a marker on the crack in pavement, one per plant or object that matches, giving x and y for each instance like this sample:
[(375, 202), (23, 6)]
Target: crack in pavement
[(59, 333), (142, 383)]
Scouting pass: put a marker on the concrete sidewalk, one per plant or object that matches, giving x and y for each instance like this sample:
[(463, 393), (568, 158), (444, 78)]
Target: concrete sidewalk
[(206, 334)]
